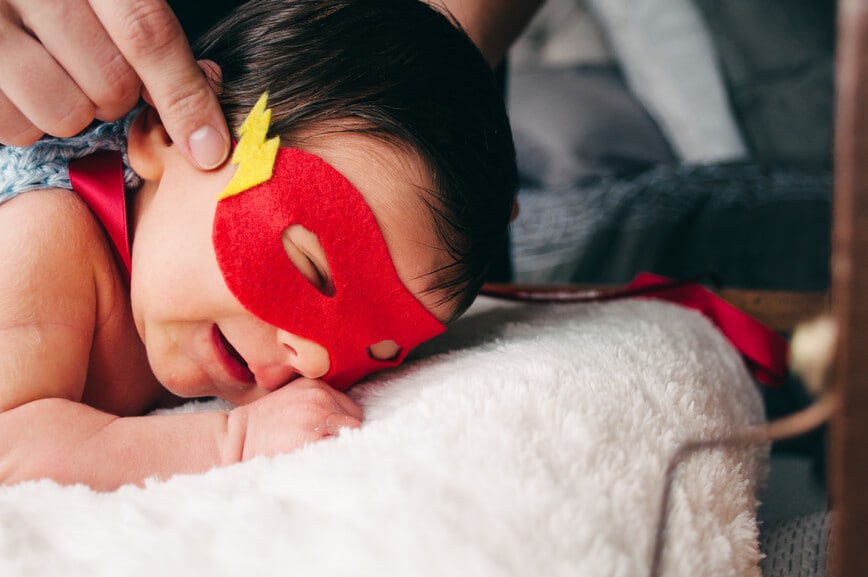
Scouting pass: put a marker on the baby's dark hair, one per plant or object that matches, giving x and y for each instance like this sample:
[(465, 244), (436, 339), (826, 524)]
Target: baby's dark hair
[(400, 71)]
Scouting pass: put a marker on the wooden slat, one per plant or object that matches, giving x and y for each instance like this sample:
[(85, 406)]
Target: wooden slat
[(779, 310), (848, 449)]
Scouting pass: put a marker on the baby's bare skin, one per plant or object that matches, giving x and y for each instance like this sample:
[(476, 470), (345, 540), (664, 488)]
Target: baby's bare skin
[(74, 374), (86, 356)]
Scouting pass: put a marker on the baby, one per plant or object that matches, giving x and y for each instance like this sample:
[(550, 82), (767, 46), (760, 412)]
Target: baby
[(370, 189)]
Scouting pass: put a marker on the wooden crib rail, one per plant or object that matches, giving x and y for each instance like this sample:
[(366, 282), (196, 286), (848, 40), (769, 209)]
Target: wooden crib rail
[(781, 311), (848, 465)]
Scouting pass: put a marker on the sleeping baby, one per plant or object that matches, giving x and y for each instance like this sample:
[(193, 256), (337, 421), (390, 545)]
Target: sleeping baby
[(369, 190)]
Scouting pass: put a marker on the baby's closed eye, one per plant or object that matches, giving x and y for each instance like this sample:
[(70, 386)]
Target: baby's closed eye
[(306, 253)]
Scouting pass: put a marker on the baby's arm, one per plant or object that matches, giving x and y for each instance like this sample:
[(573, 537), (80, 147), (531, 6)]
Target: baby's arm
[(56, 265), (73, 443)]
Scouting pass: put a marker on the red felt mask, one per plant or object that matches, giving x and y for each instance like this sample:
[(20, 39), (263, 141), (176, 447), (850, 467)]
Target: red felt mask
[(370, 304)]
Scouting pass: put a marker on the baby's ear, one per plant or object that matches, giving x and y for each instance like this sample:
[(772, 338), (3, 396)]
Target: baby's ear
[(213, 73), (147, 144)]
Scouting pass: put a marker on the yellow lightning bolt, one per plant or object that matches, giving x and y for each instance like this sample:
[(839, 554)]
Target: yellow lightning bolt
[(253, 154)]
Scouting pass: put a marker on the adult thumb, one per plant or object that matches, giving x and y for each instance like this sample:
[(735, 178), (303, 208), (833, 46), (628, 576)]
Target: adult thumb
[(195, 123), (207, 147)]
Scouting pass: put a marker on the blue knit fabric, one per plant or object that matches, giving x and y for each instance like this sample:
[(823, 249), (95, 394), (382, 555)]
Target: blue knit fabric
[(45, 163)]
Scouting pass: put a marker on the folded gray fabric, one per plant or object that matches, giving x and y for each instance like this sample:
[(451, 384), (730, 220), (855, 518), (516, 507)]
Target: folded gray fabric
[(751, 227)]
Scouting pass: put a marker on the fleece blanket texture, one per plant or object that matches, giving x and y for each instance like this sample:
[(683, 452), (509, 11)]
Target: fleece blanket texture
[(528, 440)]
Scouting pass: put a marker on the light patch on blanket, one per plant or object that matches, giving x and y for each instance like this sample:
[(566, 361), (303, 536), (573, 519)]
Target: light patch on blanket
[(527, 440)]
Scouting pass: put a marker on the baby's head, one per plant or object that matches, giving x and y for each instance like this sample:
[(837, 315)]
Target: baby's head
[(400, 73), (382, 99)]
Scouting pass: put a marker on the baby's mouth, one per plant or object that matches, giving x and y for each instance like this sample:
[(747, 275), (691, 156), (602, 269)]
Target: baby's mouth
[(231, 358)]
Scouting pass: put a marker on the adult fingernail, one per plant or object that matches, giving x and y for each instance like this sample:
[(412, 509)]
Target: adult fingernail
[(208, 148)]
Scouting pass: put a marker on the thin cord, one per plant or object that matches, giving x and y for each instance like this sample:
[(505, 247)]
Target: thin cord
[(792, 425)]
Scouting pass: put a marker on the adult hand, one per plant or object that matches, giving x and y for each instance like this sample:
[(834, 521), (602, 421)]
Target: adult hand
[(68, 62), (493, 25)]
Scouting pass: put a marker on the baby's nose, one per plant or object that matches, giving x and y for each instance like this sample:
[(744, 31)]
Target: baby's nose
[(307, 358)]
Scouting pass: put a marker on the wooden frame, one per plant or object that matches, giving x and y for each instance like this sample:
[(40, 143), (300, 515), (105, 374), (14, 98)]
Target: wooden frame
[(848, 467)]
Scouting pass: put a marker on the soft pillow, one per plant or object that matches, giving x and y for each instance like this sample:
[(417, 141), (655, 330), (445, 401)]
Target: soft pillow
[(528, 440), (670, 64)]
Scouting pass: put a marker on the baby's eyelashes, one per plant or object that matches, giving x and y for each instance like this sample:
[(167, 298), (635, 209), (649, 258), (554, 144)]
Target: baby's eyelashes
[(306, 253)]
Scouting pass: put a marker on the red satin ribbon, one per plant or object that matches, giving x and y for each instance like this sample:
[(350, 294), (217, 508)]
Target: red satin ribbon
[(99, 181), (764, 350)]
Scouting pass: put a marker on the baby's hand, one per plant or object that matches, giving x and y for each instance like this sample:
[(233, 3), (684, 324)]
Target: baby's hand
[(304, 411)]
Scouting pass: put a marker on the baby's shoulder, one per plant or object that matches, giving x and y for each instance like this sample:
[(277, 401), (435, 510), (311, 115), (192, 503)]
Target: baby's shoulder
[(51, 231), (57, 277), (47, 214), (57, 200)]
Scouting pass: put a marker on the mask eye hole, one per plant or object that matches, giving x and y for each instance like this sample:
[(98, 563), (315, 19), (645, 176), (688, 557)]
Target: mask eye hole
[(384, 351), (307, 255)]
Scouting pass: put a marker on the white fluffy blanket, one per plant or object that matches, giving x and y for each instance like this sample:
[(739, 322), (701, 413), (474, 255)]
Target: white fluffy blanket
[(529, 440)]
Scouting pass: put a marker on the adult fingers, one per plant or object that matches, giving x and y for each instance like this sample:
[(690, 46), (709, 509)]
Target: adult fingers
[(37, 87), (151, 40), (73, 35), (15, 128), (213, 74)]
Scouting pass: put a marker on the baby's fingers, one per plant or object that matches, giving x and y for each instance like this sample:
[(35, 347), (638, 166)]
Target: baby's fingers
[(334, 422), (348, 405), (329, 395)]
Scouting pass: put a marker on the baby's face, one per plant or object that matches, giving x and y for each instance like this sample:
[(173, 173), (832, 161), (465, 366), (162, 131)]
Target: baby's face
[(201, 340)]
